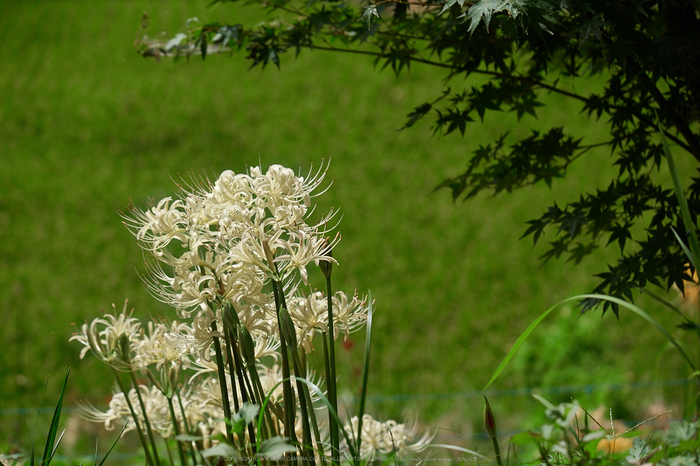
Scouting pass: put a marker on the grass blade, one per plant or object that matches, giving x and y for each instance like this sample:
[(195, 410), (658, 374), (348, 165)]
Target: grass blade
[(50, 448), (521, 339), (36, 423), (115, 442), (460, 449), (694, 255)]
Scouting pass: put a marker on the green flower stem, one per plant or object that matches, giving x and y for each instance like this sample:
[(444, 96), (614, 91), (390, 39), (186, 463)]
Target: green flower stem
[(268, 426), (187, 427), (490, 423), (222, 381), (145, 418), (246, 393), (332, 389), (312, 412), (314, 425), (146, 450), (170, 453), (176, 427), (335, 443), (232, 369), (302, 392)]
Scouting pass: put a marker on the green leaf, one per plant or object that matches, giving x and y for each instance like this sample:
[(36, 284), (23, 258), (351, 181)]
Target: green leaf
[(274, 448), (220, 449), (521, 339), (50, 448), (189, 438), (449, 4), (694, 253), (638, 452), (487, 8), (113, 444)]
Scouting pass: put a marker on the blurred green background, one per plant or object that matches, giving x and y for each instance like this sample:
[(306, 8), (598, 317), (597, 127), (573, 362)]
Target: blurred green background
[(87, 125)]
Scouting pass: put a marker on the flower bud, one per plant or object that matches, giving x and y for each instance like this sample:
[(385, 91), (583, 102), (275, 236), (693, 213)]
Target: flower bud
[(288, 331), (327, 266), (248, 345), (489, 420)]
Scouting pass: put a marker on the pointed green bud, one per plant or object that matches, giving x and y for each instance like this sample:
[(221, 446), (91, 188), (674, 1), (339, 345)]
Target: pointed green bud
[(125, 348), (269, 256), (248, 345), (489, 420), (287, 327), (326, 266), (231, 320)]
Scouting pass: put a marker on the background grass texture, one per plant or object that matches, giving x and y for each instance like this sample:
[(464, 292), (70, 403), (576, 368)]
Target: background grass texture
[(86, 125)]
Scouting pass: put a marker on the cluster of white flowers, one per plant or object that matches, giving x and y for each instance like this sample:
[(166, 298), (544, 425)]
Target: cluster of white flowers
[(219, 244), (231, 257), (384, 438)]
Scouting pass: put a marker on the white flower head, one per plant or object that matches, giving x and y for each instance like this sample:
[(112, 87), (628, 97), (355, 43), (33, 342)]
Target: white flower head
[(387, 437), (111, 338)]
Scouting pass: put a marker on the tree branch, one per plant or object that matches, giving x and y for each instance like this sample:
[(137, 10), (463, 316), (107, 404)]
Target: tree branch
[(496, 74)]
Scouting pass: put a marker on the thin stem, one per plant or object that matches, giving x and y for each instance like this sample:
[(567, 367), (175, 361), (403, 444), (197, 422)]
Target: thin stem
[(149, 460), (145, 418), (246, 392), (187, 426), (302, 390), (287, 398), (331, 421), (332, 386), (176, 427), (222, 381)]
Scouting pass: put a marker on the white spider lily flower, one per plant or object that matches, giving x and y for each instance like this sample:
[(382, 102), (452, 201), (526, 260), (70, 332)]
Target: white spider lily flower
[(203, 333), (157, 410), (349, 316), (156, 227), (382, 438), (301, 249), (111, 339), (310, 315)]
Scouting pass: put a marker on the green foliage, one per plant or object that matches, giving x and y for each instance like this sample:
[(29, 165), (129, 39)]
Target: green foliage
[(639, 54), (575, 438)]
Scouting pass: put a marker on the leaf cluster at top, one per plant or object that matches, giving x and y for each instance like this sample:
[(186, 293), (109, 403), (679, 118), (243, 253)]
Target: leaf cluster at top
[(643, 51)]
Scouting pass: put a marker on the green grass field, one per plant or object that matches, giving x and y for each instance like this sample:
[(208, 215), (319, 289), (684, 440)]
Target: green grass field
[(86, 125)]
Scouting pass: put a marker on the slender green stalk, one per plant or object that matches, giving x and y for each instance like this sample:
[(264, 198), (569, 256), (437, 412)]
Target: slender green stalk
[(145, 418), (365, 374), (332, 386), (247, 352), (247, 394), (287, 398), (176, 427), (222, 381), (187, 426), (314, 425), (232, 367), (331, 422), (490, 423), (302, 392), (142, 437), (312, 412), (170, 453)]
